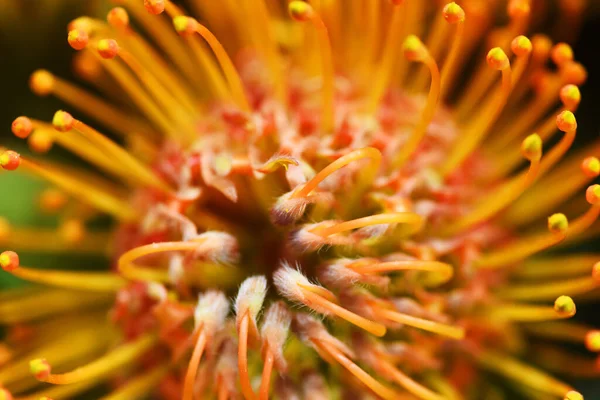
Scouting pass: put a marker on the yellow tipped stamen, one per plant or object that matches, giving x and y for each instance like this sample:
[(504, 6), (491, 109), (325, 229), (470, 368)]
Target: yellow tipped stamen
[(414, 221), (522, 373), (414, 50), (379, 389), (186, 25), (407, 382), (139, 386), (192, 370), (368, 173), (243, 358), (508, 193), (88, 281), (301, 11), (265, 383), (368, 325), (383, 76), (83, 190), (118, 357), (564, 307), (443, 270), (477, 129), (454, 14), (454, 332)]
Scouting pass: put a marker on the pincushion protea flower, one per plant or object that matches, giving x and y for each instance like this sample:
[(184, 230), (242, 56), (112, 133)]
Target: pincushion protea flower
[(384, 243)]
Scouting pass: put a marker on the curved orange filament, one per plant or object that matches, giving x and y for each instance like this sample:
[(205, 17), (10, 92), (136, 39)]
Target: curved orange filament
[(383, 77), (243, 358), (427, 114), (95, 282), (88, 193), (192, 370), (117, 358), (265, 383), (445, 271), (366, 153), (582, 223), (454, 332), (415, 221), (450, 67), (379, 389), (407, 382), (222, 391), (231, 75), (549, 290), (375, 328), (497, 201), (132, 271), (525, 313), (478, 128)]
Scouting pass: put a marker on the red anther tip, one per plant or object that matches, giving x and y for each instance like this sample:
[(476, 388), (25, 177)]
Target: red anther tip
[(573, 395), (10, 160), (521, 46), (497, 59), (9, 260), (185, 25), (541, 45), (413, 48), (565, 305), (62, 121), (300, 11), (78, 39), (108, 48), (561, 54), (40, 368), (570, 96), (118, 17), (592, 194), (22, 127), (40, 141), (453, 13), (155, 6), (566, 122), (558, 223), (41, 82), (591, 167), (573, 72)]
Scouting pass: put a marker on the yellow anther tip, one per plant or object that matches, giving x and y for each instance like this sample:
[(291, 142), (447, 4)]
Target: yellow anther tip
[(9, 260), (592, 194), (62, 121), (497, 59), (40, 368), (10, 160), (591, 167), (413, 48), (573, 395), (184, 25), (453, 13), (592, 341), (78, 39), (532, 147), (521, 45), (41, 82), (108, 48), (558, 223), (22, 127), (300, 11), (562, 53), (155, 6), (570, 95), (566, 121), (565, 305)]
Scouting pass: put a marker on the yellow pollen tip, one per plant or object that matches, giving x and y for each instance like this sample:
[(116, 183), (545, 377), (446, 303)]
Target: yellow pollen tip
[(40, 368), (184, 25), (62, 121), (155, 6), (118, 17), (108, 48), (10, 160), (78, 39), (561, 54), (497, 59), (521, 46), (41, 82), (300, 11), (565, 305), (592, 341), (570, 96), (558, 223), (573, 395), (532, 147), (22, 127), (9, 260), (592, 194), (566, 122), (591, 167), (453, 13), (413, 48)]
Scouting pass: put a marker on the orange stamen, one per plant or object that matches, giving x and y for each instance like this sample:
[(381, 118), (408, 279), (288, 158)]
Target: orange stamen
[(243, 358), (265, 383), (190, 375), (454, 332), (413, 220)]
